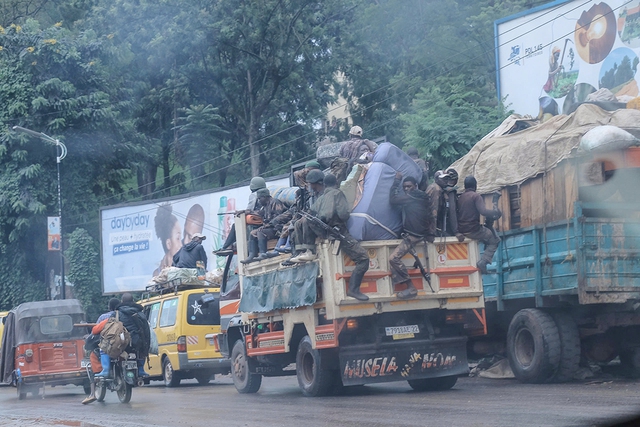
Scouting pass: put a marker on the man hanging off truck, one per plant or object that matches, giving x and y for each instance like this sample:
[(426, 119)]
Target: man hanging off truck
[(470, 207), (416, 223), (332, 209)]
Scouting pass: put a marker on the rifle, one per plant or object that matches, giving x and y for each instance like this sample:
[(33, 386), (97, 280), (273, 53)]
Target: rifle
[(488, 222), (332, 232), (418, 263)]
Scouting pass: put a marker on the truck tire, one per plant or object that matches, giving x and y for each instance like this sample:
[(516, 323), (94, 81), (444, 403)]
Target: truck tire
[(433, 384), (569, 347), (313, 378), (170, 377), (533, 346), (245, 381)]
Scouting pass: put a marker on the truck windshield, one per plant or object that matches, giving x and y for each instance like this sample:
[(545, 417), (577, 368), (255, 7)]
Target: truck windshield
[(199, 313)]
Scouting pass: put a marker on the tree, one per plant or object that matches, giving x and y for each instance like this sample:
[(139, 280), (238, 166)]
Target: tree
[(83, 256), (52, 81), (272, 63), (448, 117)]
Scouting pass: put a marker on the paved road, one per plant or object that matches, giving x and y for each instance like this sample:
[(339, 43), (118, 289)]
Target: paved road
[(472, 402)]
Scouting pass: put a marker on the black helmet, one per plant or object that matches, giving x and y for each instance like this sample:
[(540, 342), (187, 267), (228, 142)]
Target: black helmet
[(470, 182), (315, 176)]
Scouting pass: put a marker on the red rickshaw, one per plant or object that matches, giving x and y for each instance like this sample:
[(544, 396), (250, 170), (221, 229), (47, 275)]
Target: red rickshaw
[(41, 346)]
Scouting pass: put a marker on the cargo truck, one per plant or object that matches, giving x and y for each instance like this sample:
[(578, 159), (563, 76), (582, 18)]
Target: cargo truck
[(298, 320), (564, 287)]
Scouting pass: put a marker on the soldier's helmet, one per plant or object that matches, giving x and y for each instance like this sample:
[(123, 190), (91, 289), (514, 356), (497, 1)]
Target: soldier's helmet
[(315, 176)]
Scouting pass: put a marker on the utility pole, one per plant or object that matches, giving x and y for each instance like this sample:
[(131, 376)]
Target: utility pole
[(61, 150)]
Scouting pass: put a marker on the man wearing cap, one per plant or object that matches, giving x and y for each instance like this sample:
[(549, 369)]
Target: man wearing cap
[(191, 253), (332, 209), (272, 222)]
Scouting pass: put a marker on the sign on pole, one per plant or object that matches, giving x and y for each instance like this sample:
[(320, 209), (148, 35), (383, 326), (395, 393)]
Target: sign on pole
[(53, 233)]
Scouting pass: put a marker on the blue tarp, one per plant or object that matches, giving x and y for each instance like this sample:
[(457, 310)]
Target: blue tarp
[(286, 288)]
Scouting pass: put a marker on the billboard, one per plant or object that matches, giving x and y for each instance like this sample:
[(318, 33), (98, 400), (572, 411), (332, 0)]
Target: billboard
[(138, 241), (549, 59)]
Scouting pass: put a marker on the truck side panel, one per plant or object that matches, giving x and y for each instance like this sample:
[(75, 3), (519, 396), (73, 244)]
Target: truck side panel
[(596, 259)]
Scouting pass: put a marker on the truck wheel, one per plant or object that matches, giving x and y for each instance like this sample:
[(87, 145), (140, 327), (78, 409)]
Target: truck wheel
[(533, 346), (313, 378), (433, 384), (171, 378), (86, 387), (569, 347), (245, 381)]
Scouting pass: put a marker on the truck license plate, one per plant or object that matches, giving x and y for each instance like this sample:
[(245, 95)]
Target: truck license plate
[(402, 332), (85, 364)]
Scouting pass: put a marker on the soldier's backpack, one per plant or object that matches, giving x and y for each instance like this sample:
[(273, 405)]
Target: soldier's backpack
[(114, 337)]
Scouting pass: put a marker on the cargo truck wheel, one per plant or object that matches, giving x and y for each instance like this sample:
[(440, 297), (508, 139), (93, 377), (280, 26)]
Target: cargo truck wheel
[(170, 377), (313, 378), (533, 346), (243, 379), (569, 347), (433, 384)]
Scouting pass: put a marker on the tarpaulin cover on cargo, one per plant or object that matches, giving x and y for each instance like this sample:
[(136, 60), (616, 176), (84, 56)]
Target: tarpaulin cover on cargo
[(286, 288), (501, 159)]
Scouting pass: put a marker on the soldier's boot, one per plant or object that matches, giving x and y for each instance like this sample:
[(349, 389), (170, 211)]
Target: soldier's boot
[(354, 287), (253, 251)]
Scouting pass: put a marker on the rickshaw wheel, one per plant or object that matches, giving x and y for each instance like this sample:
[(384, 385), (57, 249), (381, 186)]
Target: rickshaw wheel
[(101, 391)]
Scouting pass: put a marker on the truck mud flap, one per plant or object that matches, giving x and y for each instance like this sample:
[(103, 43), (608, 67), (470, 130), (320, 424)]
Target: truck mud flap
[(408, 360)]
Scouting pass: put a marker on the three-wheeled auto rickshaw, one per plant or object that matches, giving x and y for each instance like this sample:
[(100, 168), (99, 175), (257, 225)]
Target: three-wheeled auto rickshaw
[(41, 346)]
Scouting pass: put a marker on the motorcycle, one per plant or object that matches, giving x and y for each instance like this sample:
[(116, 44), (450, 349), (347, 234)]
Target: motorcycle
[(123, 376)]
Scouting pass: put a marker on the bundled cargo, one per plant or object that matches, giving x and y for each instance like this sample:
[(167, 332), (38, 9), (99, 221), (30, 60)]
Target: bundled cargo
[(374, 218)]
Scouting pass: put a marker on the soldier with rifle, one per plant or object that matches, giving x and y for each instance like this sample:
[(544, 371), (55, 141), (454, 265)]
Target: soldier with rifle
[(416, 223), (471, 206), (328, 219)]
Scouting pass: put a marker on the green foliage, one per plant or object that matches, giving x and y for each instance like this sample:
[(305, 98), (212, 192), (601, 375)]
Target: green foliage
[(448, 117), (83, 258)]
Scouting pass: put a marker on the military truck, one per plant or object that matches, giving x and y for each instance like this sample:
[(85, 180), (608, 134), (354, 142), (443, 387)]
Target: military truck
[(298, 320), (565, 282)]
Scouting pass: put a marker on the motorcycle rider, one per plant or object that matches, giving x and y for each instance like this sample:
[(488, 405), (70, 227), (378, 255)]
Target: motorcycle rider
[(132, 317)]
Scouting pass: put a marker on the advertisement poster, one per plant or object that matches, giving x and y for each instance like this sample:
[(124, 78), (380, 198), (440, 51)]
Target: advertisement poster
[(138, 241), (53, 233), (551, 58)]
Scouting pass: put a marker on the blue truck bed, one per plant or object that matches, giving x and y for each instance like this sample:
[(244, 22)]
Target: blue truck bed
[(591, 258)]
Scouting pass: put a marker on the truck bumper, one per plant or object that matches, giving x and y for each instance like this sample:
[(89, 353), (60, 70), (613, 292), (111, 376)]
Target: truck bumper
[(218, 366), (403, 360)]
